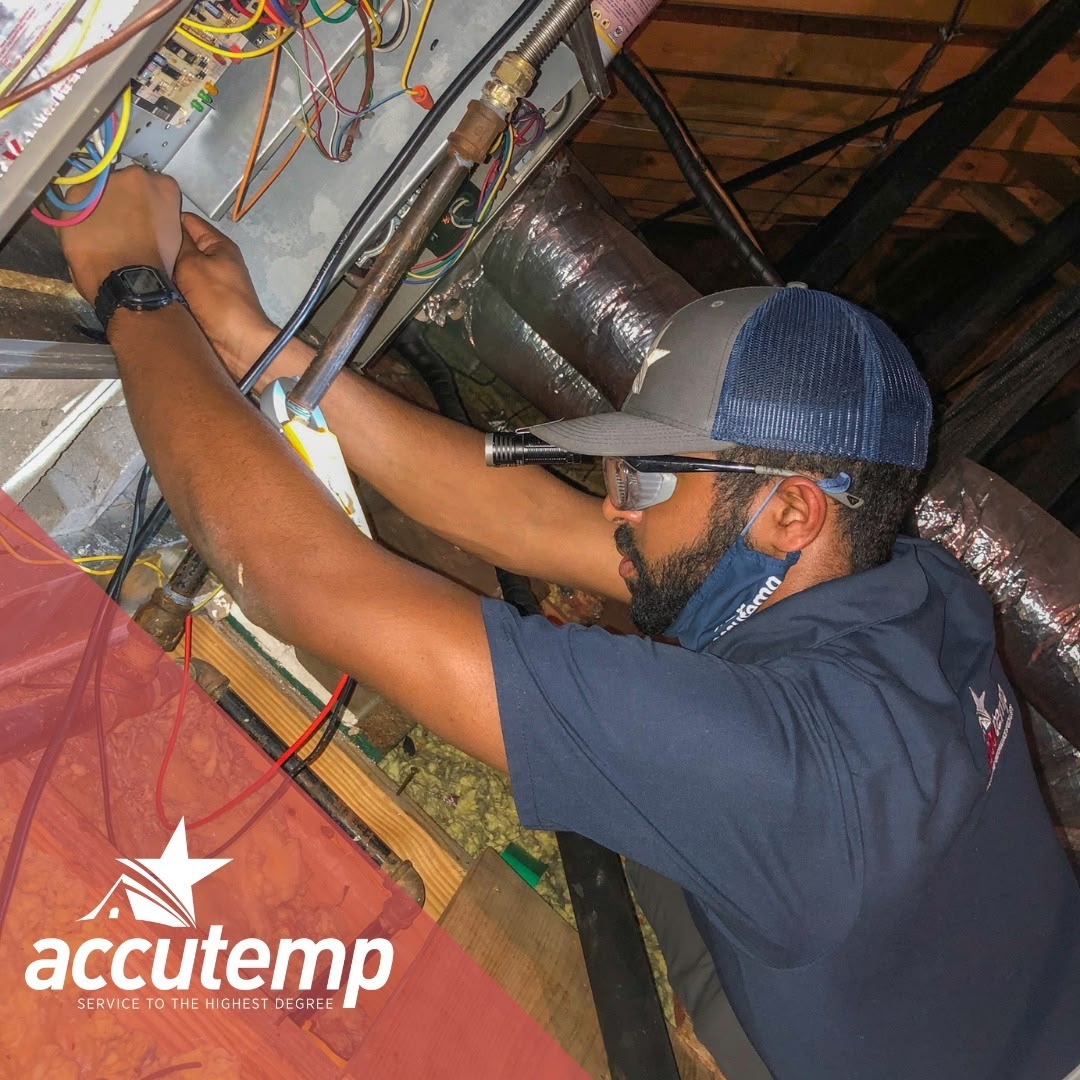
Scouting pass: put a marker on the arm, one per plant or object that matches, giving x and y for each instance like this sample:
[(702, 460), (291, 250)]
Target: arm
[(429, 467), (269, 530)]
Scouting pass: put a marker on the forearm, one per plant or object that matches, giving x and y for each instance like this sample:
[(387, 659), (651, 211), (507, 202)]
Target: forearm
[(282, 546), (433, 470)]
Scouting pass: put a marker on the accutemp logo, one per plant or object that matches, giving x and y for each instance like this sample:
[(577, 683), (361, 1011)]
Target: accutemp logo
[(160, 891)]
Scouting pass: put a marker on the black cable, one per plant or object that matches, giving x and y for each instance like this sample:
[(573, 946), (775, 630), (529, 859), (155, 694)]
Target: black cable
[(338, 253), (296, 765), (692, 163)]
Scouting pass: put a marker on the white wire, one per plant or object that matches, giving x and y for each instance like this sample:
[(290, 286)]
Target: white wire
[(314, 89)]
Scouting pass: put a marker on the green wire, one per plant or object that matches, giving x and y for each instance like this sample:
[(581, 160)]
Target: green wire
[(328, 18)]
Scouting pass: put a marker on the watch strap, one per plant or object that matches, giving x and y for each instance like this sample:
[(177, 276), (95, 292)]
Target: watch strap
[(112, 294)]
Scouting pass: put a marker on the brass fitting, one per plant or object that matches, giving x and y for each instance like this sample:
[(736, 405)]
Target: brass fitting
[(480, 126), (515, 73)]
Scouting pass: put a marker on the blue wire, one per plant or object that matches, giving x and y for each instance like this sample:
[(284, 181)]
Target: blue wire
[(339, 137), (82, 204), (280, 13)]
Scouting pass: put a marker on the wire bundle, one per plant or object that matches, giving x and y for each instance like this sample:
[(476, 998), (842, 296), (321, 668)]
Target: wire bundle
[(92, 162), (524, 131)]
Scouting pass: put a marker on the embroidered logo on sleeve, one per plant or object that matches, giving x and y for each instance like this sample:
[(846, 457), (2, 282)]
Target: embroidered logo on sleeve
[(995, 727)]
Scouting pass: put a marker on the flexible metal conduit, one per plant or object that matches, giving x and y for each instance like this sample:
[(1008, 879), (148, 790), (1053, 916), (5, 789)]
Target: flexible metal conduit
[(536, 46)]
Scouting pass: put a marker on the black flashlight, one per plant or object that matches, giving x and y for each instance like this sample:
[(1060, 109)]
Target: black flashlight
[(521, 448)]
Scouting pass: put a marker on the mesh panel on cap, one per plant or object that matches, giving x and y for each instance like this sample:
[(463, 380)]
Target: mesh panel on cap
[(812, 373)]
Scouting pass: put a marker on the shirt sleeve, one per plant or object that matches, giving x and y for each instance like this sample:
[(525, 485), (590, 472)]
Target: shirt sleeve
[(717, 775)]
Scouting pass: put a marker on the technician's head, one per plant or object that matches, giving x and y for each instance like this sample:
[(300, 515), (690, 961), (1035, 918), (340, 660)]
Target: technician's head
[(791, 379)]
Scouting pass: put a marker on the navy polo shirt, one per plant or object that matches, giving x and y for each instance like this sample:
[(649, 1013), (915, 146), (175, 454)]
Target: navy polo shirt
[(842, 786)]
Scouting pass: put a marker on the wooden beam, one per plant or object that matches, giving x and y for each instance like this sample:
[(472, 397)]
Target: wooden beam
[(412, 835), (884, 192), (976, 167), (874, 64), (730, 111), (914, 218), (1012, 217), (882, 28), (984, 13)]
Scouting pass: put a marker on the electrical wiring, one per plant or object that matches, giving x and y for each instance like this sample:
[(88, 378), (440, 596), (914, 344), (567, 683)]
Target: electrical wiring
[(110, 153), (257, 136), (335, 258), (230, 54), (210, 28), (402, 31), (326, 16), (333, 724), (80, 561), (432, 269), (40, 49), (92, 55), (99, 630), (414, 48), (159, 787)]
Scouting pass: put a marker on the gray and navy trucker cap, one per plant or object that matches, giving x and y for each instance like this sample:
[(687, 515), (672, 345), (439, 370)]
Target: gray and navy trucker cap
[(788, 368)]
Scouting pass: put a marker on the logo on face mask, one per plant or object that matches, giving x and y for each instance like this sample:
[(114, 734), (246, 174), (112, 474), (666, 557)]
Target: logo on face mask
[(746, 610)]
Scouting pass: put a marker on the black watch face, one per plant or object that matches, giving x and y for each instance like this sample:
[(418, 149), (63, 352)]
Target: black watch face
[(143, 282)]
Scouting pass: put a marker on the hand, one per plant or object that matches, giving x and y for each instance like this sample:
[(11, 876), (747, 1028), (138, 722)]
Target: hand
[(211, 274), (137, 223)]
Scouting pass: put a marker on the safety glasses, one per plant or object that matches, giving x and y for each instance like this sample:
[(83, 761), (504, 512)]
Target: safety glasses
[(636, 483)]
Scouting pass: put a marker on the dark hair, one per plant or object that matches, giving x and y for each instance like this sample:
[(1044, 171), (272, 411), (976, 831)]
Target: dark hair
[(887, 491)]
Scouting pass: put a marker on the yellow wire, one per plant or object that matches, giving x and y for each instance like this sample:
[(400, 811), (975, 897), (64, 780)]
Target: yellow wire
[(20, 69), (375, 22), (415, 46), (329, 11), (116, 558), (196, 25), (276, 43), (54, 561), (110, 153), (85, 29), (206, 599)]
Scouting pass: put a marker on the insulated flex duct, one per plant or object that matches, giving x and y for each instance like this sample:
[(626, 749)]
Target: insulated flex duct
[(562, 287), (1030, 565), (493, 332), (584, 283)]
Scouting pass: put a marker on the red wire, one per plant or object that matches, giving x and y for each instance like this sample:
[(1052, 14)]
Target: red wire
[(159, 788)]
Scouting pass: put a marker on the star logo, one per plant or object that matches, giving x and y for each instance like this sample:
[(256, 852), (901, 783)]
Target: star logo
[(159, 890), (656, 353)]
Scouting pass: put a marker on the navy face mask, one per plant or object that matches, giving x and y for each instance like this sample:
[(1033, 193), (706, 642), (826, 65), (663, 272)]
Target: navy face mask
[(741, 581)]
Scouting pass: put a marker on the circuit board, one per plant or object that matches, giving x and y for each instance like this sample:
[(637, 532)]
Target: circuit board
[(180, 80)]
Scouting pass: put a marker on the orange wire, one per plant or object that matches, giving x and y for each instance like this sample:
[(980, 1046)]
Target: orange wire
[(52, 561), (256, 139), (238, 213)]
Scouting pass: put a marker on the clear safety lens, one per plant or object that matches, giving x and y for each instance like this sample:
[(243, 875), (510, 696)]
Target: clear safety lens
[(629, 489)]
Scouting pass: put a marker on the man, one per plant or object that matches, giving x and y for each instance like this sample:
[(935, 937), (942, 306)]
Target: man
[(880, 891)]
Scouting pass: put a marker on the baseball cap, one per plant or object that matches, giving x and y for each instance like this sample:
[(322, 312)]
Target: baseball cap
[(777, 368)]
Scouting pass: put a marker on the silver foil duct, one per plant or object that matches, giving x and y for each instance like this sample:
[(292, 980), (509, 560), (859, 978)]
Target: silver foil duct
[(1030, 565), (584, 284), (492, 332)]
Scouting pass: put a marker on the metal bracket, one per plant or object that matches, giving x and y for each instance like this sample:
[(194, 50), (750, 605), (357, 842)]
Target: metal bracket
[(581, 37)]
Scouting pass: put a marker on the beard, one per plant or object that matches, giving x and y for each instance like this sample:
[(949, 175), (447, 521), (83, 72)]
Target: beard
[(660, 591)]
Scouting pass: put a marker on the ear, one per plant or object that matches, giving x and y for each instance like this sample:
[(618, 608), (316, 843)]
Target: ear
[(793, 518)]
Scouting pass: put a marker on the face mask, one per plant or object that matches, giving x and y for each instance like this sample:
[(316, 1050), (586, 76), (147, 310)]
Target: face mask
[(742, 580)]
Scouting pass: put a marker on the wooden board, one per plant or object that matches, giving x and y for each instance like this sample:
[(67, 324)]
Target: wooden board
[(536, 958), (412, 835)]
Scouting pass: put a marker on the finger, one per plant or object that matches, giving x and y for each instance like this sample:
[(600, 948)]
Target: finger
[(204, 236)]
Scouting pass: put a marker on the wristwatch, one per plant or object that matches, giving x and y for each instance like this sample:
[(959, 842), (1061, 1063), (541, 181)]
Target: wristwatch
[(137, 288)]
